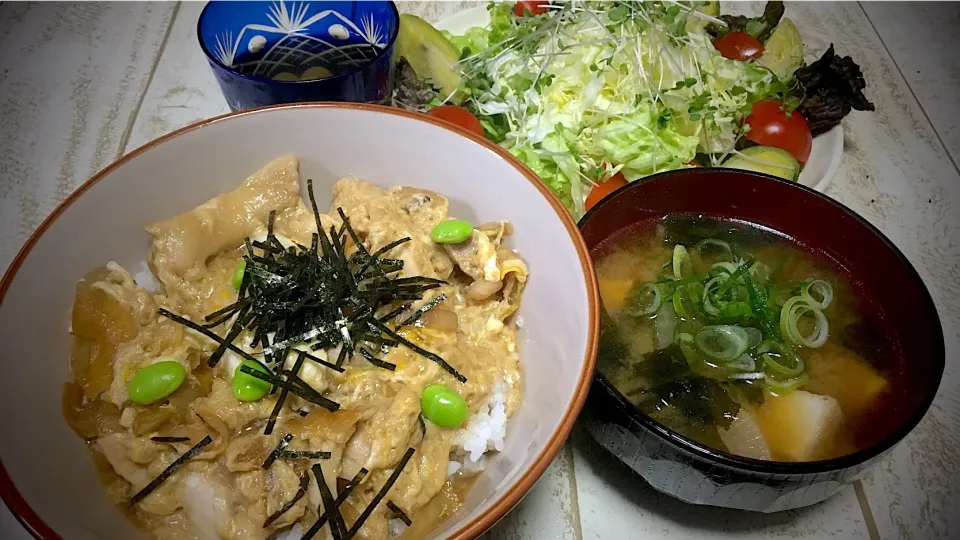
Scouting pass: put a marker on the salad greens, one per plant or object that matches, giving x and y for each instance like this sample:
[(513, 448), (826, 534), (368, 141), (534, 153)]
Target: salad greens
[(586, 91), (591, 89)]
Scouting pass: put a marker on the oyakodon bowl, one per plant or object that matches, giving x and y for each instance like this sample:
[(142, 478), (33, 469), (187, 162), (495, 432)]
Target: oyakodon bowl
[(267, 53), (47, 477), (687, 470)]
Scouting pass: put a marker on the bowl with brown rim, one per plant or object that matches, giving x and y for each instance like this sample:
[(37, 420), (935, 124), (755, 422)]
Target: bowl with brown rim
[(47, 478), (695, 473)]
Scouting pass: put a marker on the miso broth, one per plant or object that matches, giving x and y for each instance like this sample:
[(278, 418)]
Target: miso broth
[(740, 340)]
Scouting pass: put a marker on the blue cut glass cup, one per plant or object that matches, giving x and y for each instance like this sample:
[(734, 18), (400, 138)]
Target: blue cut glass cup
[(265, 53)]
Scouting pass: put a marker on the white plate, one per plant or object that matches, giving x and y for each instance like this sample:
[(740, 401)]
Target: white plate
[(827, 150)]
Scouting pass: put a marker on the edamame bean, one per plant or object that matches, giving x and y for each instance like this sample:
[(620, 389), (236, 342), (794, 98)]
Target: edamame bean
[(238, 275), (246, 387), (452, 231), (156, 381), (443, 406)]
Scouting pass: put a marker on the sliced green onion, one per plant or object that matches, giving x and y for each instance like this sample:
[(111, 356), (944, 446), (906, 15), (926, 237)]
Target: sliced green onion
[(780, 387), (642, 307), (722, 343), (745, 363), (757, 296), (780, 359), (727, 267), (708, 291), (754, 337), (820, 288), (752, 376), (735, 310), (760, 271), (682, 265), (791, 313), (705, 245), (678, 305)]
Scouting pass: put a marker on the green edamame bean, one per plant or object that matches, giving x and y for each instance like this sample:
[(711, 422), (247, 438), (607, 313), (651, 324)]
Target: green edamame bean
[(156, 381), (237, 279), (443, 406), (452, 231), (247, 387)]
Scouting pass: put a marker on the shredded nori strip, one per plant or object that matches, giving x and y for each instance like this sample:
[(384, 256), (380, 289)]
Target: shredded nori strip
[(380, 494), (422, 352), (301, 491), (376, 361), (320, 361), (170, 439), (337, 527), (278, 406), (281, 446), (401, 515), (295, 385), (194, 326), (302, 454), (344, 493), (320, 296), (423, 309), (168, 472)]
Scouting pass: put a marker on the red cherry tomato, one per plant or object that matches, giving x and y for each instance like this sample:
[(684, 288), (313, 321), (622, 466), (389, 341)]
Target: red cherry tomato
[(457, 116), (602, 189), (771, 126), (520, 9), (738, 46)]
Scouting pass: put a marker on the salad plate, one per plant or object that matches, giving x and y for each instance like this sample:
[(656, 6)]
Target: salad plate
[(825, 156)]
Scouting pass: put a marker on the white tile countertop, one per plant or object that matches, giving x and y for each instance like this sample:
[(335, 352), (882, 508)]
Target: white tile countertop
[(83, 83)]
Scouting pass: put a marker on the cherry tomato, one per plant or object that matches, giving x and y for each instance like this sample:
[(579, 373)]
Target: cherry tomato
[(738, 46), (602, 189), (457, 116), (771, 126), (520, 9)]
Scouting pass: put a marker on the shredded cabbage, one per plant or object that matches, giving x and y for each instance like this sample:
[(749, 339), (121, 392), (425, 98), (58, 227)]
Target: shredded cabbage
[(592, 88)]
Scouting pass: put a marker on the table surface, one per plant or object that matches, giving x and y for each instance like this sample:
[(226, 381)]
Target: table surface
[(81, 84)]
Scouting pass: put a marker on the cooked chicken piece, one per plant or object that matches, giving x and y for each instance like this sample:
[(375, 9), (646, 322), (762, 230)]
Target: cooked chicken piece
[(283, 482), (225, 414), (188, 239), (380, 217), (207, 504), (116, 448), (120, 284), (477, 257), (381, 441)]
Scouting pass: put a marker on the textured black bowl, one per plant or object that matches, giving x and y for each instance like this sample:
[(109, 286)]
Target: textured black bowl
[(697, 474)]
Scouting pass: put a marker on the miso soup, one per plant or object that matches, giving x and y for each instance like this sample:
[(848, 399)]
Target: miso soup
[(739, 339)]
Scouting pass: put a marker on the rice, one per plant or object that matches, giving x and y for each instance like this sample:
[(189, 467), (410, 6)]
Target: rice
[(485, 431)]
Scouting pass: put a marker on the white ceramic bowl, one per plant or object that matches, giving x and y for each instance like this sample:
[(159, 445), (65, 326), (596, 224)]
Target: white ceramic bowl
[(47, 478)]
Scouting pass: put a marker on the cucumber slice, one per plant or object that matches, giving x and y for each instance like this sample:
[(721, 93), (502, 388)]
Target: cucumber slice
[(429, 53), (765, 159), (783, 51)]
